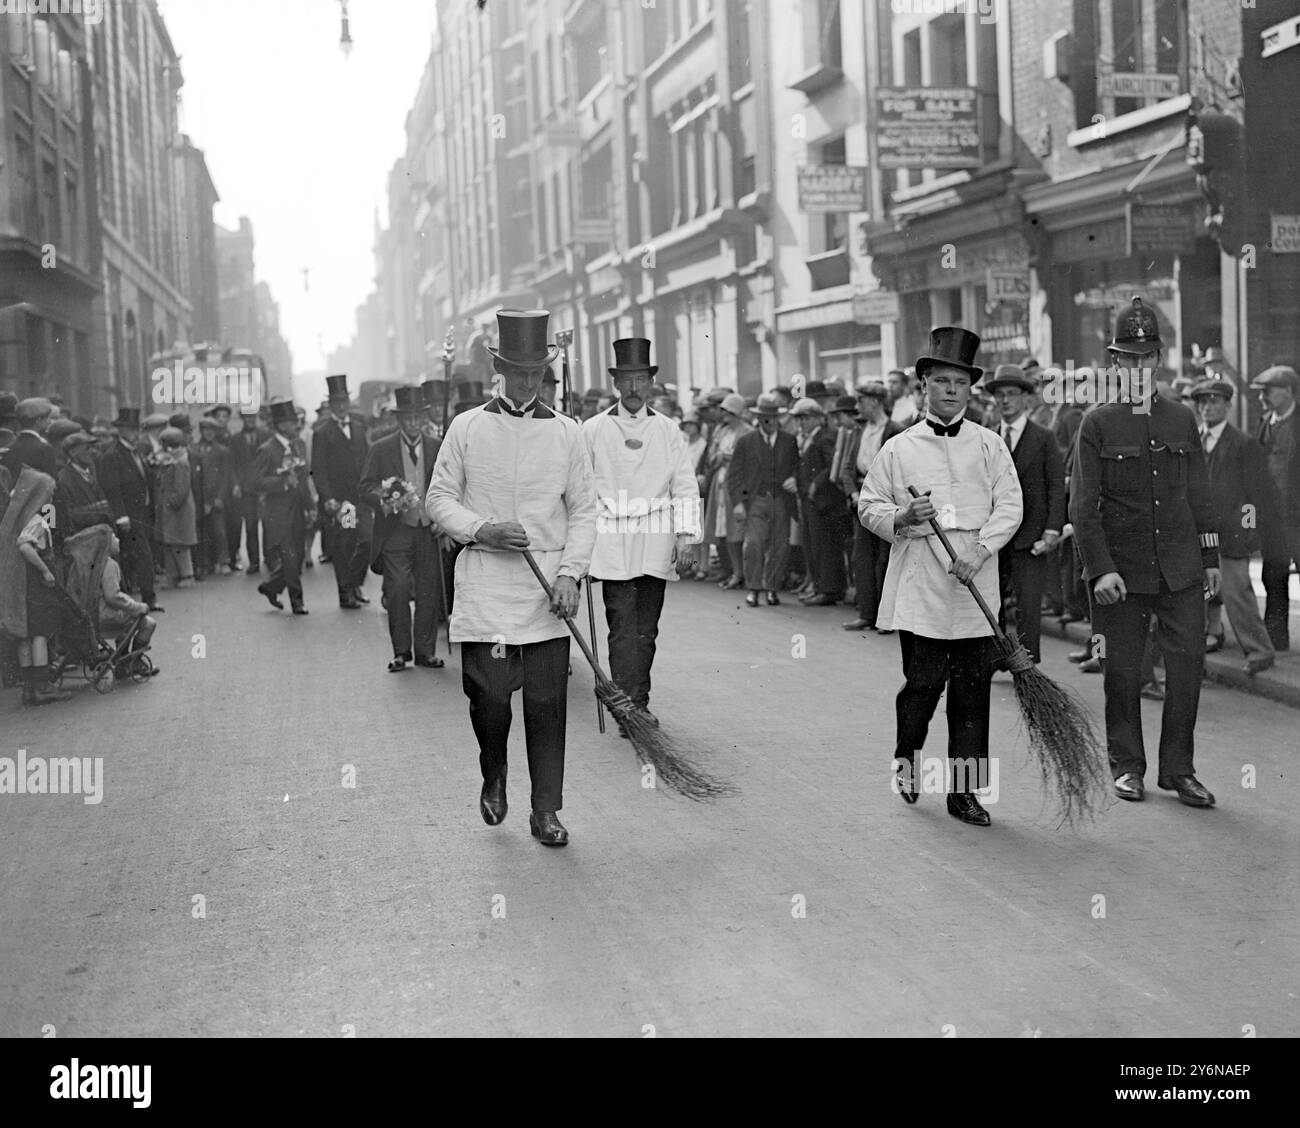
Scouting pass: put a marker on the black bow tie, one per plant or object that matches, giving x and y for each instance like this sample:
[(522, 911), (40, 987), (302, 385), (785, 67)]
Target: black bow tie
[(527, 408), (940, 429)]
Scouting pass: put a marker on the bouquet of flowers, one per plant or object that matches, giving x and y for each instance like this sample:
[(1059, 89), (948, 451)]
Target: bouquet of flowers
[(291, 465), (347, 515), (397, 495)]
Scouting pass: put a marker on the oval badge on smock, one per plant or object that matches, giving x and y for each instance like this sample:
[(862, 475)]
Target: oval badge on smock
[(633, 444)]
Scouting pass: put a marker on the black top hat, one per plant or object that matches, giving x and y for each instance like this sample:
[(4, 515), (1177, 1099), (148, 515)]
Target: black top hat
[(338, 387), (632, 354), (523, 336), (1137, 330), (469, 391), (283, 411), (954, 347), (128, 417), (434, 391), (410, 401)]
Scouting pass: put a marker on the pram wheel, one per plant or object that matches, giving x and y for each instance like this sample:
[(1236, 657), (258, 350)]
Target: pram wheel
[(56, 674), (104, 680), (141, 669)]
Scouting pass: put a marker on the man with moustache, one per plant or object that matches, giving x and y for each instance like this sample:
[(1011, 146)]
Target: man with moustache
[(967, 484), (511, 475)]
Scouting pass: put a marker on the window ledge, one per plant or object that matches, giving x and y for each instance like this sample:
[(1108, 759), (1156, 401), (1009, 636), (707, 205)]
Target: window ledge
[(1112, 127), (818, 77)]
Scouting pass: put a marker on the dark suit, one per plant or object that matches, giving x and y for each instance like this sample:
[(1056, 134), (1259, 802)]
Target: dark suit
[(870, 553), (825, 518), (30, 449), (285, 514), (1247, 508), (1285, 472), (405, 554), (124, 478), (336, 464), (78, 503), (212, 481), (1023, 575), (243, 449), (754, 480), (1141, 506)]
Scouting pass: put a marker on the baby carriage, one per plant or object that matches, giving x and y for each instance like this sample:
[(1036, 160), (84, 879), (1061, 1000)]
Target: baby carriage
[(81, 651)]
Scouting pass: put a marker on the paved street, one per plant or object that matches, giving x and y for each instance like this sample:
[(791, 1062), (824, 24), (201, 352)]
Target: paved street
[(326, 907)]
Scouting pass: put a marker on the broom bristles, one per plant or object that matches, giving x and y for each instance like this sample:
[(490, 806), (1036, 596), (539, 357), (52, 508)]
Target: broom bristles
[(655, 747)]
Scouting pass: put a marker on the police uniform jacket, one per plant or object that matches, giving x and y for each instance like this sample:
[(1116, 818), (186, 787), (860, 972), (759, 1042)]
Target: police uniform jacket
[(1140, 499)]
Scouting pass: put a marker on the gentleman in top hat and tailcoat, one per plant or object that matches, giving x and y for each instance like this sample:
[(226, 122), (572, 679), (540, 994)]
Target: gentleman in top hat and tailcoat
[(650, 518), (1146, 528), (968, 485), (337, 456), (404, 545), (511, 475), (1022, 565), (279, 474), (126, 481)]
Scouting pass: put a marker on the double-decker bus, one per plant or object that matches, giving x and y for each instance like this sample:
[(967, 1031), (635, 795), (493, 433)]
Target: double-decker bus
[(196, 378)]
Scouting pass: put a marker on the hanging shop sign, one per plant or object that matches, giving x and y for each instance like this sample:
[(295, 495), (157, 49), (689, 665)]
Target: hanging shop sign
[(875, 307), (1161, 229), (928, 127), (1121, 84), (824, 189)]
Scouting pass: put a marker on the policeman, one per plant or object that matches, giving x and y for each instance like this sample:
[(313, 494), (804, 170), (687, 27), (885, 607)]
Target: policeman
[(1145, 525)]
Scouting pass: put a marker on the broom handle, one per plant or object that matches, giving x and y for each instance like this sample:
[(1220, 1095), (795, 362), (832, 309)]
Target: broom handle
[(582, 642), (970, 586), (591, 619)]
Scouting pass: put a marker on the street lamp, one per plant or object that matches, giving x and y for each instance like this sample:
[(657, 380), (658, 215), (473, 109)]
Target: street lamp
[(345, 40)]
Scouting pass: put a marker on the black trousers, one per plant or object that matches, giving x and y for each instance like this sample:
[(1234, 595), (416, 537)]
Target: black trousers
[(1277, 599), (252, 542), (284, 556), (350, 554), (411, 565), (963, 666), (1022, 577), (632, 610), (137, 562), (824, 531), (870, 563), (1124, 629), (490, 674), (234, 522)]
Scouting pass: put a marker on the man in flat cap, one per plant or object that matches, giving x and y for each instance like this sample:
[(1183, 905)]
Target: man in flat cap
[(1248, 510), (870, 552), (30, 448), (1279, 435), (79, 502), (1022, 564), (968, 486), (512, 475)]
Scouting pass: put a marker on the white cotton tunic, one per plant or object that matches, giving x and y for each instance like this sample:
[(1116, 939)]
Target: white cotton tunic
[(971, 472), (494, 467), (647, 493)]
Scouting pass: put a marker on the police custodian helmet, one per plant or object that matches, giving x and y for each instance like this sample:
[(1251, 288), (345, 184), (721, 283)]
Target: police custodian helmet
[(1136, 330)]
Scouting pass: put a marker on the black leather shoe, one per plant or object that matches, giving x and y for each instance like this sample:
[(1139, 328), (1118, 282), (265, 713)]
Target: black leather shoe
[(492, 802), (1255, 666), (751, 600), (905, 773), (821, 601), (348, 603), (429, 662), (252, 569), (299, 609), (857, 625), (273, 599), (732, 584), (1129, 786), (1091, 666), (397, 665), (548, 829), (646, 715), (359, 596), (154, 609), (967, 808), (773, 600), (1079, 656), (1189, 789)]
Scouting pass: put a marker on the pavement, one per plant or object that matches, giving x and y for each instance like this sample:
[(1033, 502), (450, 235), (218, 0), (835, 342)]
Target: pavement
[(288, 843), (1227, 666)]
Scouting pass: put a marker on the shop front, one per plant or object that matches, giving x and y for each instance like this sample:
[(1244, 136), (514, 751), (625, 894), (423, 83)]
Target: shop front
[(823, 340)]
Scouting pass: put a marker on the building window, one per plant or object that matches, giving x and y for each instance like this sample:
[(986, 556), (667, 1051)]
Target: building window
[(72, 204), (1131, 54), (822, 42), (834, 227), (746, 177), (51, 219), (25, 162)]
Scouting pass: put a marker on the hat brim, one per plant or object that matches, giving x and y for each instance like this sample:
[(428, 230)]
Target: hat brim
[(925, 363), (634, 368), (552, 352), (1138, 348), (1024, 384)]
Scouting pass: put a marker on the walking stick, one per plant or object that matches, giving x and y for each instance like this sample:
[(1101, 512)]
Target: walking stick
[(595, 650), (448, 355), (670, 762), (1060, 731)]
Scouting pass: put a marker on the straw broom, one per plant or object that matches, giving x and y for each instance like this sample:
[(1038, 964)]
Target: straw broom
[(1061, 736), (670, 761)]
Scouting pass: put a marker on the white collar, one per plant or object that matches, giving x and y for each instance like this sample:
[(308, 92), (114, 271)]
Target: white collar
[(1276, 418), (1017, 424), (961, 415), (288, 443), (1217, 429), (623, 411)]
